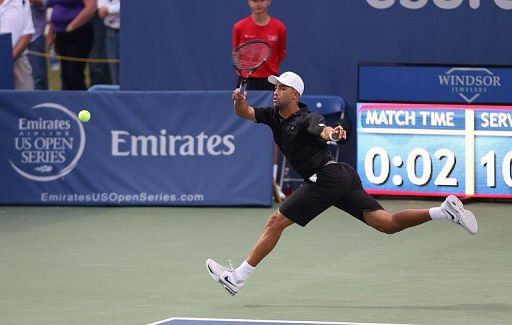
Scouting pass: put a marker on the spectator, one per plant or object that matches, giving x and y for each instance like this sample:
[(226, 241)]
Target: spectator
[(16, 18), (73, 34), (99, 73), (38, 63), (260, 25), (110, 10)]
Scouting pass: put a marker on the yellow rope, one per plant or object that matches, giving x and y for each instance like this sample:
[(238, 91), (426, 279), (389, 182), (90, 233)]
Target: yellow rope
[(72, 59)]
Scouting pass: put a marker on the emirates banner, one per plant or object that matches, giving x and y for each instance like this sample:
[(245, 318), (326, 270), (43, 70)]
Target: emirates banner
[(139, 148)]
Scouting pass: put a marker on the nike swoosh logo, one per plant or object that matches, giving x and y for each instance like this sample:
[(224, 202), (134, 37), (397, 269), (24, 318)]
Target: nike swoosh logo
[(451, 215), (227, 280)]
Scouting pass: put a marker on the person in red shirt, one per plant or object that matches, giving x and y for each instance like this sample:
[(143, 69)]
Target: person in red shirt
[(260, 25)]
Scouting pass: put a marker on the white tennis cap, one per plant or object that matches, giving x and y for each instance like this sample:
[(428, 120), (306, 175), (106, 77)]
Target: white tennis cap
[(289, 79)]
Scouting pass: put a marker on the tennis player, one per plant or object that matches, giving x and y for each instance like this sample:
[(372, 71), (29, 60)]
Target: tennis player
[(302, 136)]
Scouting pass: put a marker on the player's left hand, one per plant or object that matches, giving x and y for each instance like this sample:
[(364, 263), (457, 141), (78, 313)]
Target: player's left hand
[(338, 133)]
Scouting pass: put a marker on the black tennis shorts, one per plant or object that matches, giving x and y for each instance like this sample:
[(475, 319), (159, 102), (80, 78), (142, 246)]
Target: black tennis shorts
[(337, 184)]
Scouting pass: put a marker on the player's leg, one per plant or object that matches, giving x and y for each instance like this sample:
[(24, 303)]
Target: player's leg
[(234, 279), (301, 207), (451, 209), (269, 238), (361, 205), (391, 223)]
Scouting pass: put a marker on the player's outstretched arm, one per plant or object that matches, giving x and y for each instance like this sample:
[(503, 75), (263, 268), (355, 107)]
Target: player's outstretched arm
[(241, 107)]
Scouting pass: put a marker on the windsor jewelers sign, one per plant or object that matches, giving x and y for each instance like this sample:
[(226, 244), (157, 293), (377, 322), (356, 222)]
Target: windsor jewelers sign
[(441, 84)]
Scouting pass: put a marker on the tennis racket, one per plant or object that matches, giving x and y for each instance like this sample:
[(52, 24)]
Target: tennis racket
[(248, 57)]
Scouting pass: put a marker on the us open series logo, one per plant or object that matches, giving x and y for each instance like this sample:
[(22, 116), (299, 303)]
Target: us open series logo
[(49, 144)]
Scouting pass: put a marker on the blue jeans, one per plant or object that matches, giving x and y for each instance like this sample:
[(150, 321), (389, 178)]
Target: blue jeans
[(112, 46), (38, 63), (99, 73)]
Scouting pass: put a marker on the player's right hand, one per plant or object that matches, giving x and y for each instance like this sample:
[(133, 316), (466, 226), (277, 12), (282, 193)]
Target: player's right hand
[(237, 96)]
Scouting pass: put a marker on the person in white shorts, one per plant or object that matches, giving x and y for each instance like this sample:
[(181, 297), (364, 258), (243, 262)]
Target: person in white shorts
[(16, 18)]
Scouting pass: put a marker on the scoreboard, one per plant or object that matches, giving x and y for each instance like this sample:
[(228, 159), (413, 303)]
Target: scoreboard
[(435, 149)]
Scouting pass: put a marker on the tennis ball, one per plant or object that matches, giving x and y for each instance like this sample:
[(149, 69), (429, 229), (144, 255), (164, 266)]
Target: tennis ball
[(84, 115)]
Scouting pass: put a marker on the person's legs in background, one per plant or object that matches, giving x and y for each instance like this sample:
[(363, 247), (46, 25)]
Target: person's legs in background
[(99, 72), (76, 44), (23, 74), (38, 63), (112, 47)]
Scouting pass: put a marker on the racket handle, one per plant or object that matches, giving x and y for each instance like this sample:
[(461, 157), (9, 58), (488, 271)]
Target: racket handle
[(243, 85)]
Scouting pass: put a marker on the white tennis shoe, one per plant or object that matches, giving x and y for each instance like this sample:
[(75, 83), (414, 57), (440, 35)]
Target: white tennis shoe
[(224, 275), (457, 214)]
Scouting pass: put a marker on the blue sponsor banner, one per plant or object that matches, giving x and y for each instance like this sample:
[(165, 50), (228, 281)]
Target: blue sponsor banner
[(139, 148), (431, 84)]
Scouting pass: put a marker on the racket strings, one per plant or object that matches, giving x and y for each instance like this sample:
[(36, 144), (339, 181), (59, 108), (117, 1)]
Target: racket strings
[(251, 55)]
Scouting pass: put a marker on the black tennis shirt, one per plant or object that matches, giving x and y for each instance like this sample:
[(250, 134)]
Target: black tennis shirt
[(298, 137)]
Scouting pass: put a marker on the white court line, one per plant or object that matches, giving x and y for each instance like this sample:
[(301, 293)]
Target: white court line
[(269, 321)]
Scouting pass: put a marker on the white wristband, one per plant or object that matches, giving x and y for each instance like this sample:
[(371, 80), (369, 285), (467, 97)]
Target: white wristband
[(330, 137)]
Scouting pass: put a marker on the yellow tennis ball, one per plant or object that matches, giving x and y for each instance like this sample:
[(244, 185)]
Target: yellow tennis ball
[(84, 115)]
